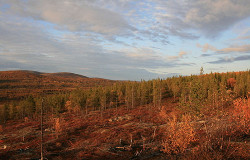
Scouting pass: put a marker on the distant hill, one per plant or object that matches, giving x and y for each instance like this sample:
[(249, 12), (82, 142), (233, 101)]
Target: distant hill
[(17, 84), (64, 75), (19, 74), (24, 74)]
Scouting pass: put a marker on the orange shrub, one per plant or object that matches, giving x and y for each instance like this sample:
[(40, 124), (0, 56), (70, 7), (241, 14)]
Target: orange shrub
[(241, 115), (231, 82), (59, 125), (178, 136)]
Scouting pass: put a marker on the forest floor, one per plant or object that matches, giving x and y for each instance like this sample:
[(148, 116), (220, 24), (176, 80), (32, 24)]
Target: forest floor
[(139, 133)]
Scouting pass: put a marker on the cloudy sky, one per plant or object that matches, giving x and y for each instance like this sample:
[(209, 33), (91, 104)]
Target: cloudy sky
[(125, 39)]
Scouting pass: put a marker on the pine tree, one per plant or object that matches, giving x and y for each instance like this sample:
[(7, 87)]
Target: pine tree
[(6, 112), (201, 71), (31, 106), (175, 88), (13, 111), (28, 107)]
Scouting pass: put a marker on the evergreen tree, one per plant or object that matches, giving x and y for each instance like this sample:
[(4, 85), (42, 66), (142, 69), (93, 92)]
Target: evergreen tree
[(28, 107), (201, 71), (6, 112), (13, 111)]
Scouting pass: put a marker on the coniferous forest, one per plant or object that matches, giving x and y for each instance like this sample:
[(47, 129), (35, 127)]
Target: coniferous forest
[(204, 116)]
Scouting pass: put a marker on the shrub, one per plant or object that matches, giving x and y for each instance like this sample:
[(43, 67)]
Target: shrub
[(241, 116), (179, 135)]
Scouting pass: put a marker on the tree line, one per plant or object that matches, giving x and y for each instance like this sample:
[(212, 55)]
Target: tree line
[(192, 93)]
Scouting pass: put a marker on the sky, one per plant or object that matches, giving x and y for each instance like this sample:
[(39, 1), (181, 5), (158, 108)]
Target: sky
[(125, 39)]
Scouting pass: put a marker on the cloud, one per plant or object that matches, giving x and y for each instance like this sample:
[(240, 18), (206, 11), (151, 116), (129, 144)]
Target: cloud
[(154, 35), (207, 17), (180, 55), (205, 55), (121, 39), (73, 15), (143, 54), (28, 46), (109, 19), (23, 40), (242, 38), (230, 59), (206, 47), (232, 49), (154, 20), (238, 49)]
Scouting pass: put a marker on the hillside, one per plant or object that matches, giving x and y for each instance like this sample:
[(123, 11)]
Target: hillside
[(15, 85)]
